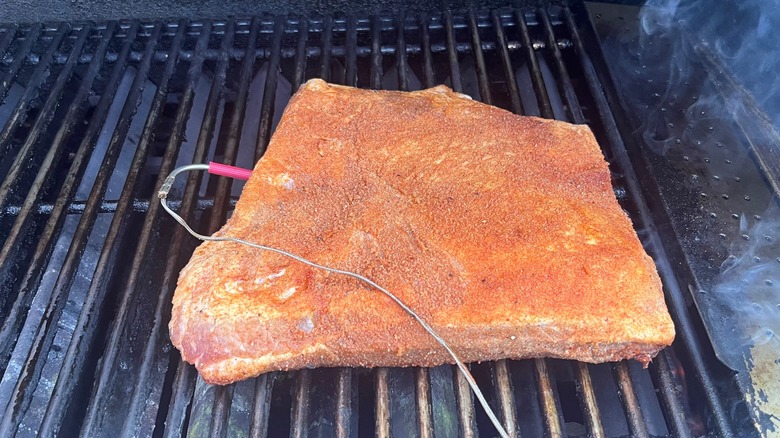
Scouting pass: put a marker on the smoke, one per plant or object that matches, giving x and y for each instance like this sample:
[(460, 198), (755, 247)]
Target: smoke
[(747, 298), (682, 44), (741, 35), (678, 41), (750, 281), (748, 46), (699, 82), (699, 78), (686, 115)]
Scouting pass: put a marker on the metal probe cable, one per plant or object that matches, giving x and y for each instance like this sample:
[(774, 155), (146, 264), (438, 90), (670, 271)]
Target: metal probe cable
[(163, 195)]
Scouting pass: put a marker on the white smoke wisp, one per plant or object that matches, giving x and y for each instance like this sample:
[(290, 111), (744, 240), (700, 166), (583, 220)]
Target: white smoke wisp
[(749, 282), (665, 59), (704, 97), (742, 35)]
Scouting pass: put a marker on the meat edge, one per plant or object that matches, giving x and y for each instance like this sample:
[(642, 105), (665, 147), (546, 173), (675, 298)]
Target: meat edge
[(483, 345)]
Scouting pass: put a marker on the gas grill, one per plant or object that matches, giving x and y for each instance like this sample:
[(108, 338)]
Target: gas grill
[(95, 114)]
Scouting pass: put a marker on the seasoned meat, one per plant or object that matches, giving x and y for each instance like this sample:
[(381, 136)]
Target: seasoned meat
[(501, 231)]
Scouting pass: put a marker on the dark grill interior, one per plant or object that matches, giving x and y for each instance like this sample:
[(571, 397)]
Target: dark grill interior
[(96, 115)]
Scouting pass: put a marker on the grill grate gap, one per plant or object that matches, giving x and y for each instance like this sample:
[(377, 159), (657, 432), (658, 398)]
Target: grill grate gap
[(279, 416), (366, 402), (570, 409)]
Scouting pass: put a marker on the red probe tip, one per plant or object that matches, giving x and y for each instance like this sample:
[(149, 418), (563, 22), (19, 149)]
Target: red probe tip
[(229, 171)]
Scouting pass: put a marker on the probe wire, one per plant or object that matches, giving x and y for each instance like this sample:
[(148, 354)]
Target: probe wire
[(163, 195)]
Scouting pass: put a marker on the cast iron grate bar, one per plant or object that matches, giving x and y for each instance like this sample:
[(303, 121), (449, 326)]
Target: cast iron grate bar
[(590, 406), (382, 409), (423, 391), (346, 381), (181, 397), (262, 405), (18, 58), (465, 399), (506, 62), (547, 399), (452, 51), (540, 91), (376, 53), (421, 375), (403, 74), (205, 73), (301, 403), (670, 392), (506, 398), (269, 93), (327, 44), (430, 80), (344, 405), (220, 412), (350, 75), (300, 54), (381, 375), (464, 395), (570, 96), (476, 47), (629, 398), (265, 383)]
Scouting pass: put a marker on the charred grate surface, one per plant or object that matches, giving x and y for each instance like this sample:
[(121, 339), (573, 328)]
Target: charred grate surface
[(95, 115)]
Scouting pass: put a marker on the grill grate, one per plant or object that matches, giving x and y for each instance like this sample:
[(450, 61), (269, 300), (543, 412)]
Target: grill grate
[(94, 118)]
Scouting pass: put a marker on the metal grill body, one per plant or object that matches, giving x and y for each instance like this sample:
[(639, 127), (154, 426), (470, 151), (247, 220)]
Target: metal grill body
[(96, 115)]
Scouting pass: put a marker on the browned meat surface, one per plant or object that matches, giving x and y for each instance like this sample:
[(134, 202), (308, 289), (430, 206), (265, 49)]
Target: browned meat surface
[(501, 231)]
